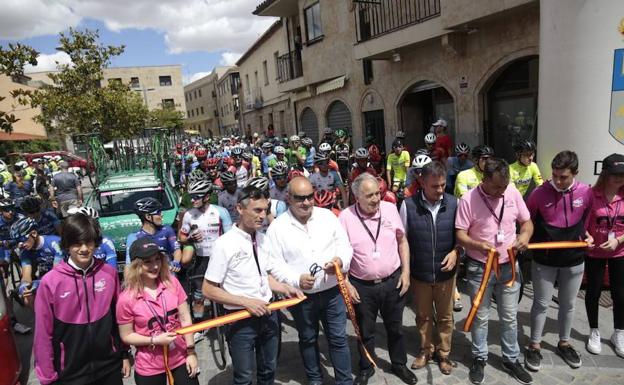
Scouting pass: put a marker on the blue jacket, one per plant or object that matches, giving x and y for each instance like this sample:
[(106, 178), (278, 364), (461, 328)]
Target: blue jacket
[(429, 243)]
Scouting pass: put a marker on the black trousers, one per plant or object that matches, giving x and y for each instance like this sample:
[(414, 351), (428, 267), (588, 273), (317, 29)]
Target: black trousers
[(180, 377), (381, 298), (594, 270)]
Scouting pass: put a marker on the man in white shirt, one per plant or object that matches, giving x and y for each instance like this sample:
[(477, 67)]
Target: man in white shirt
[(238, 277), (304, 243)]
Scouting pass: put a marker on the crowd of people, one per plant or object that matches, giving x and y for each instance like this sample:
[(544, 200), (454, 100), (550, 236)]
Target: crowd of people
[(266, 217)]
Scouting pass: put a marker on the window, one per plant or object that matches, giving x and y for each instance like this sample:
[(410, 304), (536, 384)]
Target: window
[(121, 202), (195, 94), (134, 82), (168, 104), (221, 111), (112, 81), (266, 73), (199, 92), (197, 111), (188, 113), (367, 66), (276, 59), (164, 80), (201, 109), (186, 97), (192, 113), (313, 22), (247, 82)]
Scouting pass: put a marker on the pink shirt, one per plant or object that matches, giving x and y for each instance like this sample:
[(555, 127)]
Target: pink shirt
[(132, 308), (365, 264), (474, 216), (601, 216)]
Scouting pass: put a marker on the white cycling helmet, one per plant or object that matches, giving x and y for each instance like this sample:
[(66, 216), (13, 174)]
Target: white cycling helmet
[(88, 211), (420, 161), (279, 150), (2, 166), (325, 147), (430, 138)]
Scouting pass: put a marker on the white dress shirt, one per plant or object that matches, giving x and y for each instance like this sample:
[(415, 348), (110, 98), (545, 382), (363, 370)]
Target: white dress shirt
[(294, 247), (233, 266)]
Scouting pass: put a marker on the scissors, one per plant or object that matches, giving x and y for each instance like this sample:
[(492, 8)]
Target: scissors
[(315, 269)]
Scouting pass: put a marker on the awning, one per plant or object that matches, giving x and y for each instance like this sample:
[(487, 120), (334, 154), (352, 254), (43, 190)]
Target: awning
[(296, 96), (192, 132), (20, 136), (331, 85)]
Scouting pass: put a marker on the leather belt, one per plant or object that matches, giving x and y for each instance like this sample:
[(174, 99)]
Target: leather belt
[(375, 281)]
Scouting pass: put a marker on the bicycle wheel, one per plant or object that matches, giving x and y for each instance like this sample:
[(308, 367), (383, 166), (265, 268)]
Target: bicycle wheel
[(219, 347)]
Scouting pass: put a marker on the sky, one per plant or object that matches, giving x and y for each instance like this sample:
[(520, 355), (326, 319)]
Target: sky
[(197, 34)]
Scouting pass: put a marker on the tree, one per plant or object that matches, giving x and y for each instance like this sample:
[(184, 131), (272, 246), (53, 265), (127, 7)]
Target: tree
[(77, 102), (166, 118)]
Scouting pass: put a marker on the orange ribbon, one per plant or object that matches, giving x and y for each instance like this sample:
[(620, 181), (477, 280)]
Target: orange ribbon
[(167, 369), (492, 264), (342, 285)]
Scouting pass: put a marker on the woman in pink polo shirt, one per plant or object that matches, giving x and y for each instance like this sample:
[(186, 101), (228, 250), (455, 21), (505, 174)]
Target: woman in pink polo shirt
[(605, 223), (153, 305)]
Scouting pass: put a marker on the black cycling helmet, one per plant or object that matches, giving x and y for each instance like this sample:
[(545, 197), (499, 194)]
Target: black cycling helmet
[(320, 157), (524, 146), (146, 206), (237, 151), (462, 148), (397, 143), (228, 177), (31, 204), (21, 229), (482, 150)]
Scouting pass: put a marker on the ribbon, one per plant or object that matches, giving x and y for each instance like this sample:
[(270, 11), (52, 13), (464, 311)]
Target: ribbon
[(492, 264), (342, 285), (167, 369)]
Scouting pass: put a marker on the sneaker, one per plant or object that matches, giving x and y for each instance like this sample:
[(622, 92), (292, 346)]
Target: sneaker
[(533, 359), (477, 371), (457, 305), (617, 339), (593, 341), (21, 328), (198, 336), (569, 355), (518, 372)]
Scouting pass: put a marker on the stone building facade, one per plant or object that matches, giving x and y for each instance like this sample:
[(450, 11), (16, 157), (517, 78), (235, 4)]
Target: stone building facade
[(202, 114)]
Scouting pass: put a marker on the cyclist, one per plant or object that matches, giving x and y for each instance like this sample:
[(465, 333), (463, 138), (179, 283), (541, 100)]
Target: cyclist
[(280, 154), (419, 162), (296, 154), (524, 170), (239, 170), (396, 166), (342, 151), (105, 251), (326, 179), (328, 136), (229, 196), (200, 156), (149, 211), (471, 178), (268, 158), (361, 164), (18, 188), (375, 154), (5, 175), (47, 221), (456, 164), (276, 207), (326, 199), (443, 142), (435, 153), (279, 175), (325, 148), (201, 226), (255, 161), (386, 196), (37, 253), (308, 144)]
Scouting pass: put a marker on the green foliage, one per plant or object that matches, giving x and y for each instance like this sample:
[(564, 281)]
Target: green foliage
[(12, 62), (27, 146), (166, 118)]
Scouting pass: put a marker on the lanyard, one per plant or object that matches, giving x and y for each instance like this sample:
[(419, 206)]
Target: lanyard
[(499, 219), (161, 321), (374, 239), (611, 221), (255, 253)]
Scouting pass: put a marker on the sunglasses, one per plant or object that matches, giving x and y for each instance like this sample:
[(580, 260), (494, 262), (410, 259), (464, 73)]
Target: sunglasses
[(159, 212), (303, 198), (197, 197)]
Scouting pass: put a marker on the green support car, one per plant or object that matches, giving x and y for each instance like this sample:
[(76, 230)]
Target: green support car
[(114, 200)]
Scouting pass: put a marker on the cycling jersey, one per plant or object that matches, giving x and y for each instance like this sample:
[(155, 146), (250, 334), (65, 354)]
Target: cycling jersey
[(18, 193), (44, 255), (278, 194), (292, 156), (327, 182), (47, 222), (268, 161), (309, 160), (343, 152), (241, 176), (453, 167), (467, 180), (106, 252), (521, 176), (256, 165), (398, 164), (165, 238), (211, 223), (228, 201)]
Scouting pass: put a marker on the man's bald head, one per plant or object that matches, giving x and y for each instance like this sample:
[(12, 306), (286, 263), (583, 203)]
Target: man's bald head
[(300, 186), (301, 198)]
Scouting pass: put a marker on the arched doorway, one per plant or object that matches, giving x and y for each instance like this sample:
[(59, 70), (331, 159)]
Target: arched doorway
[(309, 124), (511, 106), (421, 105), (339, 117)]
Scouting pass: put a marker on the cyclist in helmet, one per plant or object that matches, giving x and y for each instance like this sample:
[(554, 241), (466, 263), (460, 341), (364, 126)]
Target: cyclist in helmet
[(471, 178), (279, 175), (417, 165), (200, 155), (375, 154), (105, 251), (47, 222), (524, 171), (396, 166), (434, 152), (37, 253), (326, 179), (18, 188), (361, 164), (280, 154), (328, 136), (229, 196), (386, 196), (238, 169), (201, 226), (276, 207), (255, 161), (8, 216), (149, 211), (268, 158), (443, 143), (456, 164), (308, 144), (342, 151), (326, 199), (296, 154)]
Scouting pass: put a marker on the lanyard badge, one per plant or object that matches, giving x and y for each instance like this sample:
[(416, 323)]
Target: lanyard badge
[(500, 234)]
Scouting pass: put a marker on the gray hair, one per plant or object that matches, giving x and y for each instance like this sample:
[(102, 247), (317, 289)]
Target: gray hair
[(63, 165), (435, 168), (357, 183)]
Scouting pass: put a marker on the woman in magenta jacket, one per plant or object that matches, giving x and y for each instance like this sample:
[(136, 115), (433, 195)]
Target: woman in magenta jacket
[(605, 223)]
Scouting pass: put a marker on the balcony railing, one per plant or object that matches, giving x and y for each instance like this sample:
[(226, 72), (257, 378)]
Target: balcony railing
[(289, 66), (374, 18)]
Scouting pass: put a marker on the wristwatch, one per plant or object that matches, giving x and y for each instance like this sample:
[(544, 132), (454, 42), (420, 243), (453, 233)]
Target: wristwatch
[(461, 251)]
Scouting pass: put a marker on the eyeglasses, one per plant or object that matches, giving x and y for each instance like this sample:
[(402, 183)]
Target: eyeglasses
[(315, 269), (303, 198), (197, 197)]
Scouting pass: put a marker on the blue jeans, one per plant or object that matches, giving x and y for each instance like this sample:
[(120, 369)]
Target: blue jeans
[(254, 338), (327, 307), (507, 306)]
